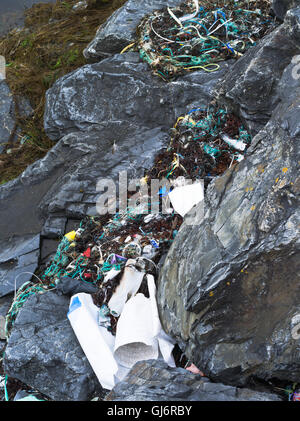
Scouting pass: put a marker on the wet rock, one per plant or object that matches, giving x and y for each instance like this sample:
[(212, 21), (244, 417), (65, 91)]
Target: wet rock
[(43, 351), (48, 249), (123, 89), (54, 227), (280, 7), (251, 87), (116, 102), (120, 29), (18, 260), (229, 288), (153, 380), (7, 115)]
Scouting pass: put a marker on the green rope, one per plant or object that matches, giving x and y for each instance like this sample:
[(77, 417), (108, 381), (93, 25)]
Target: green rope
[(5, 389)]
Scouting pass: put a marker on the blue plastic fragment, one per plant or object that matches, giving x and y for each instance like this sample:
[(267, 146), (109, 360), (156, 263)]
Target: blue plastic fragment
[(74, 305)]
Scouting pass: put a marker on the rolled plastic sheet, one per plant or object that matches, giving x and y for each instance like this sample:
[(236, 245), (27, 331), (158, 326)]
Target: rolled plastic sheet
[(96, 342), (139, 333)]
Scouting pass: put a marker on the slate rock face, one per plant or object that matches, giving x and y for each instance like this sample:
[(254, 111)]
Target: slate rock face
[(280, 7), (120, 29), (116, 101), (7, 115), (43, 351), (19, 258), (5, 303), (229, 289), (251, 88), (153, 380), (122, 89)]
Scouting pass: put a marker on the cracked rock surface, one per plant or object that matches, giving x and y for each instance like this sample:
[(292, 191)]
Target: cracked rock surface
[(153, 380), (116, 101), (120, 29), (229, 288), (44, 353)]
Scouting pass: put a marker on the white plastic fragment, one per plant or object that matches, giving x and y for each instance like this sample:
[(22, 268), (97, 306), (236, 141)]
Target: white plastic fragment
[(191, 16), (97, 343), (111, 274), (148, 218), (139, 334), (129, 285), (185, 197), (236, 144)]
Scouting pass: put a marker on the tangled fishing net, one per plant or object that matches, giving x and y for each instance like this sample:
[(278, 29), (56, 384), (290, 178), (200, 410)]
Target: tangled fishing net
[(203, 145), (199, 34)]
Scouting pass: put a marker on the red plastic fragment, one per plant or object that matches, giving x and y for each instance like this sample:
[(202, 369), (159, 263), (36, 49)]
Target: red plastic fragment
[(87, 252)]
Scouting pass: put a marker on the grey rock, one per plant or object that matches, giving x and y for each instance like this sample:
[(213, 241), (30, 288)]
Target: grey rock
[(7, 115), (122, 89), (44, 353), (54, 227), (250, 89), (120, 29), (5, 303), (280, 7), (48, 249), (18, 260), (153, 380), (228, 290), (116, 101)]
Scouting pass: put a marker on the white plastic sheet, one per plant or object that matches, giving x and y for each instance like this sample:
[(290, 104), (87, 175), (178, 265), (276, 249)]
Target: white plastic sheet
[(185, 197), (139, 335), (236, 144), (129, 285), (139, 332), (97, 343)]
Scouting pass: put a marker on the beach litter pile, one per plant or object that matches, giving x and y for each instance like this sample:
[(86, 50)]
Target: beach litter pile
[(198, 35), (204, 143), (109, 265)]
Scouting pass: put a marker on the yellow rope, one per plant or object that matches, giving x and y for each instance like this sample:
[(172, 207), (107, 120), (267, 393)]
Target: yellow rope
[(127, 48), (179, 118)]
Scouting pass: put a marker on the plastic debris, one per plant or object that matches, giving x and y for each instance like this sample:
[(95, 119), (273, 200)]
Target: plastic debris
[(139, 335), (29, 398), (198, 35), (96, 342), (296, 395), (185, 197), (128, 286), (118, 256), (197, 149), (236, 144), (71, 236)]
